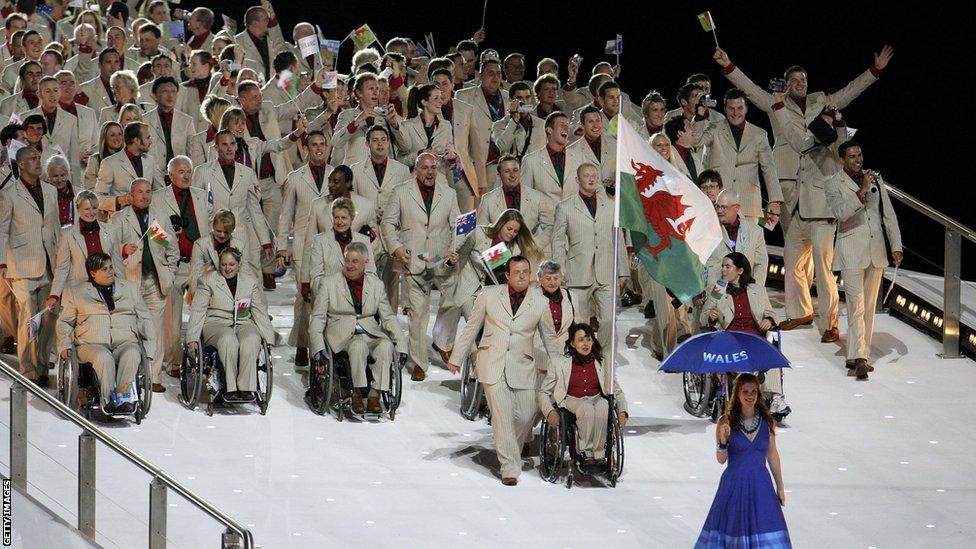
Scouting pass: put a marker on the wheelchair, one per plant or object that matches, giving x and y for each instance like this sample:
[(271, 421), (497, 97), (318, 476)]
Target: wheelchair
[(78, 386), (555, 441), (473, 403), (204, 368), (330, 386), (706, 394)]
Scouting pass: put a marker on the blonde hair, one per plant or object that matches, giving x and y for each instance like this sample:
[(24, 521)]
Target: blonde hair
[(230, 115)]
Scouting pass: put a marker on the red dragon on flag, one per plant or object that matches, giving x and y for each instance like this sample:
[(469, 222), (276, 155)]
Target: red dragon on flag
[(661, 208)]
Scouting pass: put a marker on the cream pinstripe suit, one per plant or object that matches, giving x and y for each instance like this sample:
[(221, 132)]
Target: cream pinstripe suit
[(504, 365), (406, 223), (584, 247), (535, 207), (350, 147), (323, 258), (320, 215), (276, 44), (115, 176), (188, 100), (538, 174), (469, 148), (181, 131), (608, 156), (510, 136), (557, 338), (411, 138), (243, 198), (334, 317), (860, 254), (204, 259), (72, 253), (481, 125), (66, 135), (750, 242), (364, 181), (739, 165)]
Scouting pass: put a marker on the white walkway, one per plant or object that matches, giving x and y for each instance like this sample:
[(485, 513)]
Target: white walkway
[(886, 463)]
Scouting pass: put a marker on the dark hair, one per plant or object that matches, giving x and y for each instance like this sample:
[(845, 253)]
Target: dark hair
[(96, 261), (361, 80), (23, 68), (684, 92), (313, 133), (596, 351), (735, 93), (734, 408), (284, 60), (346, 172), (467, 45), (792, 69), (593, 85), (9, 132), (740, 261), (222, 133), (589, 109), (673, 126), (553, 116), (416, 95), (443, 72), (120, 10), (519, 86), (846, 145), (105, 53), (377, 128), (151, 27), (698, 77), (35, 119), (489, 61), (608, 85), (516, 259), (158, 83), (132, 131), (710, 175)]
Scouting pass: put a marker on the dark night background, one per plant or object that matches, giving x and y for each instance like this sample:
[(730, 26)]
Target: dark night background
[(911, 123)]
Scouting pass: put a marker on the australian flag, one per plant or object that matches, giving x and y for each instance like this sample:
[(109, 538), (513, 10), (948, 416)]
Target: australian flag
[(465, 223)]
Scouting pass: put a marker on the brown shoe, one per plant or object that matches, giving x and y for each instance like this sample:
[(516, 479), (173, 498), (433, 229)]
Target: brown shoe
[(301, 356), (373, 405), (509, 481), (791, 323), (418, 374), (445, 355), (357, 403), (861, 369), (158, 388), (269, 281), (831, 336)]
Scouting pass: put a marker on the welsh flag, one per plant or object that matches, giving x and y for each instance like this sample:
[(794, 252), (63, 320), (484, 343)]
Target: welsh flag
[(496, 256), (673, 226), (288, 81), (157, 234)]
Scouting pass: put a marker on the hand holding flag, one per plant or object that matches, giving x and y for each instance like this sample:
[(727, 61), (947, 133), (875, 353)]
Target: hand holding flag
[(156, 234)]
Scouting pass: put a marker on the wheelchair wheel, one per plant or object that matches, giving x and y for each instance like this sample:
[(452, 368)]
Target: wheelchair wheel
[(615, 447), (472, 393), (143, 390), (552, 451), (698, 389), (318, 387), (191, 379), (67, 386), (391, 399), (265, 372), (334, 392)]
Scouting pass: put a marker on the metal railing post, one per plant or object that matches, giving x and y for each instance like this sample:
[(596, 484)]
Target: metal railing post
[(18, 436), (952, 303), (157, 514), (86, 484)]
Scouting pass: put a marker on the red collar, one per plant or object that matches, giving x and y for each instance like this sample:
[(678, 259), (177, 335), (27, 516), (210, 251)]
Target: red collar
[(225, 164), (553, 152), (130, 155)]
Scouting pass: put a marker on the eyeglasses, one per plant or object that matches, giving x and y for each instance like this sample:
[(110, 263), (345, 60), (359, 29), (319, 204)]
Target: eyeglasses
[(710, 186)]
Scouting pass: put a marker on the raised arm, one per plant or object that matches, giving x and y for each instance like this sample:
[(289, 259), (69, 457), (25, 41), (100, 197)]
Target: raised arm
[(843, 97), (758, 96)]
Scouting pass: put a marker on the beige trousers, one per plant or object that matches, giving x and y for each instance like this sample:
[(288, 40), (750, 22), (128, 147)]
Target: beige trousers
[(173, 318), (595, 300), (113, 367), (156, 303), (861, 288), (238, 348), (30, 294), (513, 414), (359, 348), (806, 241), (591, 423)]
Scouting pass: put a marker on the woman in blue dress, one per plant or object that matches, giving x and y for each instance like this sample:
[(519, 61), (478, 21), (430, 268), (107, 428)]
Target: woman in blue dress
[(746, 511)]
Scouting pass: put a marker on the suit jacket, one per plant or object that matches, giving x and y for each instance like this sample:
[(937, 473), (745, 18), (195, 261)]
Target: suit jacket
[(510, 136), (555, 386), (72, 253), (697, 157), (214, 305), (411, 138), (539, 174), (201, 151), (787, 157), (750, 242), (334, 316), (467, 145), (608, 157), (204, 259), (862, 228), (320, 216), (85, 320), (243, 198), (323, 257), (165, 258), (116, 174), (188, 100), (535, 207), (505, 346), (164, 205), (558, 337), (276, 44), (481, 125), (739, 165), (65, 135), (406, 223), (364, 181), (97, 94), (296, 206), (816, 164), (584, 245), (28, 236), (350, 147), (759, 306), (88, 128), (181, 131)]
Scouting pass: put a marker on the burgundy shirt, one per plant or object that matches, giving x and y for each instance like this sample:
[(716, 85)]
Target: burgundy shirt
[(555, 308), (66, 211), (513, 196), (186, 245), (91, 233), (584, 380), (742, 320), (515, 299)]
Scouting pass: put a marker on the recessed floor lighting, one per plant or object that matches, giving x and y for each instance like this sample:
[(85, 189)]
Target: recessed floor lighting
[(678, 516), (832, 513), (939, 490), (930, 526), (933, 442), (462, 533), (903, 462), (842, 468), (621, 531), (889, 417)]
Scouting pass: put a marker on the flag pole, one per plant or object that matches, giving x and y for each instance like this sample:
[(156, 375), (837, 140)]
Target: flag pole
[(715, 35), (616, 265)]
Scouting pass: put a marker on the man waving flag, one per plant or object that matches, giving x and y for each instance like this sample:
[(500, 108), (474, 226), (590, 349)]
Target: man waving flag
[(673, 226)]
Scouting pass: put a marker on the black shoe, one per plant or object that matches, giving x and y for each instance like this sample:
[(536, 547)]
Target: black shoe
[(861, 369), (9, 346), (269, 281), (649, 310), (301, 356), (630, 299), (126, 408)]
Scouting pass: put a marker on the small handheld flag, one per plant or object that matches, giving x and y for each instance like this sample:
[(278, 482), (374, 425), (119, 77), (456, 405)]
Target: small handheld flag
[(615, 46), (34, 325), (718, 290), (174, 29), (242, 309), (156, 234), (229, 25), (465, 223), (308, 45), (288, 81), (708, 24), (209, 194), (363, 36), (769, 220), (496, 256)]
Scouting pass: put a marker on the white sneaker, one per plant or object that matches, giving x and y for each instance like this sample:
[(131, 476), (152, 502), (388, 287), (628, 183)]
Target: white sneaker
[(779, 407)]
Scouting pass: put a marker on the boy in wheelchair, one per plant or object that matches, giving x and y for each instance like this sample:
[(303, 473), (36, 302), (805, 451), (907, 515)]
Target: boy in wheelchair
[(351, 311), (104, 320), (578, 383)]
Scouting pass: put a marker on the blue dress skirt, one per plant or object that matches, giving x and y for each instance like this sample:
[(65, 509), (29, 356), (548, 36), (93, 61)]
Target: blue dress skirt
[(746, 512)]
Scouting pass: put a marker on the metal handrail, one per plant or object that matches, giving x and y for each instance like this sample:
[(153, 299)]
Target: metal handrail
[(952, 268), (161, 480)]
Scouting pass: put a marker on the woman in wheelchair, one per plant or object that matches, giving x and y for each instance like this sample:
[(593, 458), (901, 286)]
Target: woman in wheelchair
[(78, 241), (229, 313), (745, 307), (204, 257), (578, 383), (105, 319), (324, 251)]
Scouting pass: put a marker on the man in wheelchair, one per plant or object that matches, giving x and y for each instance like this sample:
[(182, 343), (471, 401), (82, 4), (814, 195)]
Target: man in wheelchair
[(105, 319), (577, 382), (351, 311)]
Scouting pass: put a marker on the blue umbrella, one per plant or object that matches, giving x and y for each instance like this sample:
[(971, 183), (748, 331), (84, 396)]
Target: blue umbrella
[(718, 352)]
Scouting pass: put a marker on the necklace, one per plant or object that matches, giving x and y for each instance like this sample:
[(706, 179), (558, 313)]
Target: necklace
[(753, 425)]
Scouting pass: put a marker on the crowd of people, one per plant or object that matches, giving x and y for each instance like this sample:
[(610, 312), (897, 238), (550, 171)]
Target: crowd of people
[(146, 167)]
